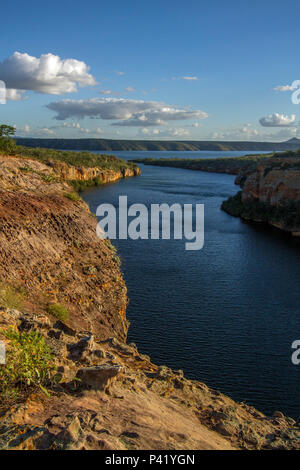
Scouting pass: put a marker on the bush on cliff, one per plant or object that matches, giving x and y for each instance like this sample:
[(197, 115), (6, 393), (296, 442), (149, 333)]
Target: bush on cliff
[(7, 144), (59, 311), (10, 297), (80, 186), (73, 197), (29, 364)]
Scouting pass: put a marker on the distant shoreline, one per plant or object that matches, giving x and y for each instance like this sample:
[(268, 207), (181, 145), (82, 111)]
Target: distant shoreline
[(156, 145)]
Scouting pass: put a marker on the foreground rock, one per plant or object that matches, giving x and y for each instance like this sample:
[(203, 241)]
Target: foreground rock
[(123, 401), (98, 377)]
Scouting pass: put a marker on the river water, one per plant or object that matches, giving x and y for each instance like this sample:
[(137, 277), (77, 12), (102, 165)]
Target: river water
[(227, 314)]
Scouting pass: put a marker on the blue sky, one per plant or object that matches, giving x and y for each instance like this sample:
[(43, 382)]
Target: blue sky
[(163, 69)]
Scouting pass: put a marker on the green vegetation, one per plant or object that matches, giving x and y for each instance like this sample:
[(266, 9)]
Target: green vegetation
[(11, 297), (84, 159), (49, 155), (7, 143), (59, 311), (157, 145), (219, 165), (29, 364), (73, 196), (80, 186)]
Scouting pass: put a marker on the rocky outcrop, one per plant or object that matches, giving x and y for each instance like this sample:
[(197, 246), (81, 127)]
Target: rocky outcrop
[(270, 194), (71, 173), (113, 397)]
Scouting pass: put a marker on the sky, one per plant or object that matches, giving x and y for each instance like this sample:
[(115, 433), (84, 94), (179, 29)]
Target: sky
[(163, 70)]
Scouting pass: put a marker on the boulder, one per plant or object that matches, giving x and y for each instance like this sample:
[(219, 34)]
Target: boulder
[(98, 377)]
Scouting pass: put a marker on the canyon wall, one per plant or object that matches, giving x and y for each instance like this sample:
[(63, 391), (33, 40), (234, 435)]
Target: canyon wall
[(105, 394), (270, 194)]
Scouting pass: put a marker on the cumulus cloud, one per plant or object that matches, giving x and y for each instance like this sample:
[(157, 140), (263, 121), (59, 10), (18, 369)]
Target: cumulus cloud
[(284, 88), (278, 120), (26, 131), (129, 89), (14, 95), (45, 74), (248, 132), (171, 132), (54, 131), (125, 111)]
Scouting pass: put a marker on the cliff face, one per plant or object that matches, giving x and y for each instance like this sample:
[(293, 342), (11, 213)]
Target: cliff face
[(270, 194), (70, 173), (50, 248), (273, 184), (106, 395)]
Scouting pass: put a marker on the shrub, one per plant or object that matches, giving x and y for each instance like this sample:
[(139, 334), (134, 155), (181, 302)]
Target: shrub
[(11, 297), (7, 144), (59, 311), (80, 186), (49, 178), (29, 363), (73, 196)]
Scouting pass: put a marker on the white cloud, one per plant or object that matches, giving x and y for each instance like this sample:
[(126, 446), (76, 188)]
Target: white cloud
[(249, 133), (26, 131), (190, 78), (105, 92), (119, 73), (170, 132), (278, 120), (14, 95), (129, 89), (186, 77), (45, 74), (284, 88), (125, 111)]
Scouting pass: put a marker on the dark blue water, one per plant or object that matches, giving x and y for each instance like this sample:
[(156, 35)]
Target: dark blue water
[(227, 314)]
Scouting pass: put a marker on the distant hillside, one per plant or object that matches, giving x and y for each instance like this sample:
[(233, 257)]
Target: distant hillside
[(156, 145)]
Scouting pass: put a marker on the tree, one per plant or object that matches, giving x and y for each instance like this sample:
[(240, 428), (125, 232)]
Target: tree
[(7, 143)]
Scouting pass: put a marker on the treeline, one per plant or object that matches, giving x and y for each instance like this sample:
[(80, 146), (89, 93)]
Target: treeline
[(156, 145)]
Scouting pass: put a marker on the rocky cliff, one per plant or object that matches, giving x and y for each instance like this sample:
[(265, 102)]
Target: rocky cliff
[(270, 194), (71, 173), (104, 394)]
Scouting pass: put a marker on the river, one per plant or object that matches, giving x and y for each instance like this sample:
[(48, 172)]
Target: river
[(227, 314)]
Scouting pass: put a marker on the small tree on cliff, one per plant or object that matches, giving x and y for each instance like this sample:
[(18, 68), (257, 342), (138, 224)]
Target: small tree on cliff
[(7, 143)]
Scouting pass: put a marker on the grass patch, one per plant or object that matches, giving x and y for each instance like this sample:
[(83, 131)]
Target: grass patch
[(73, 196), (29, 364), (11, 297), (59, 311)]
